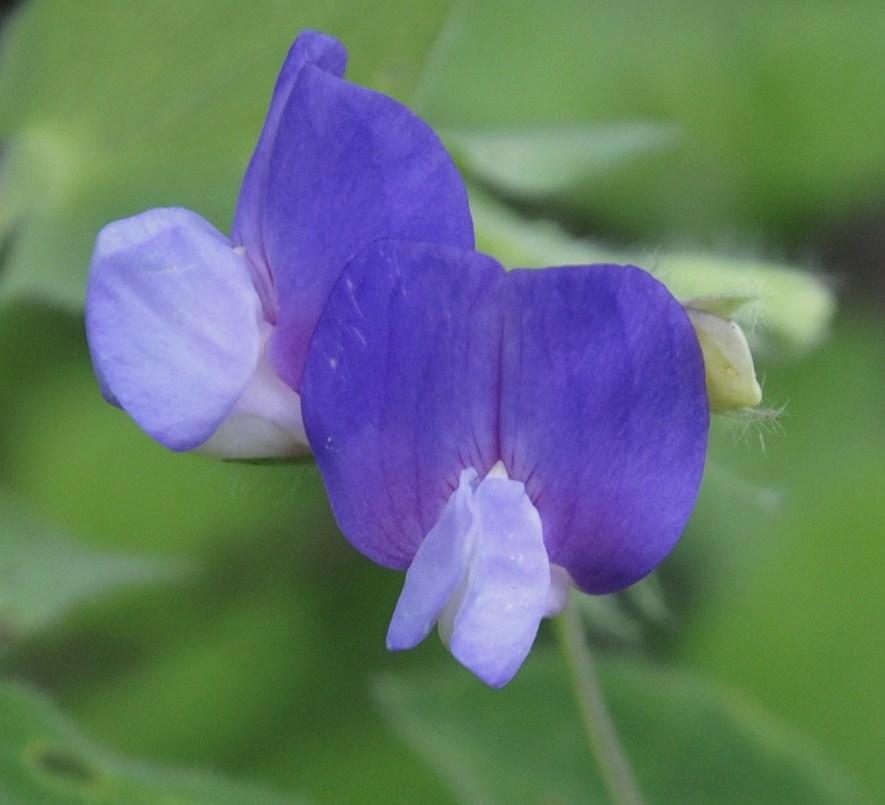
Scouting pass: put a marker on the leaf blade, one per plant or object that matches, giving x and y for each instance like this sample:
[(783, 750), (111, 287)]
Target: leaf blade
[(689, 741), (44, 758), (45, 574)]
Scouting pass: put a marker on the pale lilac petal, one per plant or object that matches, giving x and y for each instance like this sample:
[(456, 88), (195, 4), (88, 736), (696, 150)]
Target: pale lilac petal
[(350, 166), (173, 323), (507, 587), (560, 586), (437, 569), (248, 228), (604, 415), (400, 390), (265, 421)]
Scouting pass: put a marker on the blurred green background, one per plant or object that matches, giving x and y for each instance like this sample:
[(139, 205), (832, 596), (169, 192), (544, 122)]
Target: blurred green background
[(195, 614)]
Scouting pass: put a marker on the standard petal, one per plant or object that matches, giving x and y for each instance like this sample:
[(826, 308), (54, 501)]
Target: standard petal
[(248, 228), (400, 390), (172, 321), (507, 587), (437, 569), (350, 166), (604, 415)]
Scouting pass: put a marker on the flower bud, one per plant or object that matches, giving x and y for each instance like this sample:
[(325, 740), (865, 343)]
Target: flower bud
[(730, 374)]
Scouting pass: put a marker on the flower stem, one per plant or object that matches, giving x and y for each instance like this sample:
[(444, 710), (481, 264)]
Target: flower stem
[(598, 726)]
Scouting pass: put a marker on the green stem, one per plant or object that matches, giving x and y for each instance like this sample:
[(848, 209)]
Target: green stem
[(598, 726)]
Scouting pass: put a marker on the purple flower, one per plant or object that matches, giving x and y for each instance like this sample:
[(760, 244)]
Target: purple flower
[(503, 435), (202, 339)]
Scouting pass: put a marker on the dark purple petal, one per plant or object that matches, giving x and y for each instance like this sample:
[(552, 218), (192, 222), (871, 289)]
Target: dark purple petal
[(350, 166), (248, 228), (604, 416), (173, 323), (400, 390)]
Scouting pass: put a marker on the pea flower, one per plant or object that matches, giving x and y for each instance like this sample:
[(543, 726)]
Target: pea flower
[(202, 339), (503, 435)]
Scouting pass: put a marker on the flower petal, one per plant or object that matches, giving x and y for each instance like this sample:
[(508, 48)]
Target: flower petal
[(507, 586), (266, 420), (172, 320), (400, 390), (248, 228), (604, 415), (350, 166), (437, 569)]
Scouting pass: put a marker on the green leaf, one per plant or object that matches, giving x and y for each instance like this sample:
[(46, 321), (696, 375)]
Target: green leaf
[(792, 308), (44, 574), (780, 110), (542, 161), (43, 758), (97, 126), (783, 565), (688, 741)]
